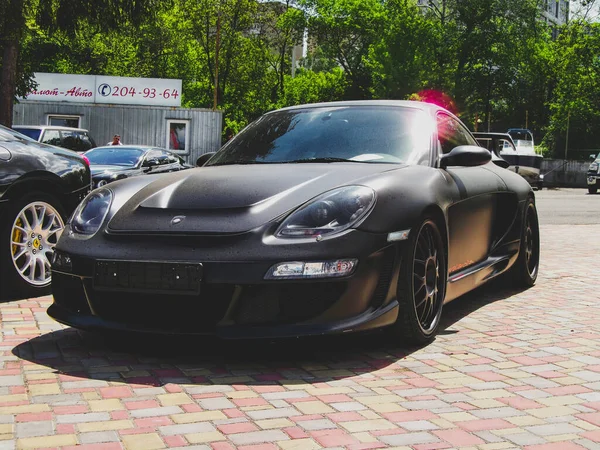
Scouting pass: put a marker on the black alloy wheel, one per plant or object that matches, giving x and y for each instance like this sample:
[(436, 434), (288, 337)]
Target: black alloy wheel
[(526, 268), (421, 285)]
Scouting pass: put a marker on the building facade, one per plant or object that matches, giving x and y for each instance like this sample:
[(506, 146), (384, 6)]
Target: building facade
[(553, 12), (142, 111)]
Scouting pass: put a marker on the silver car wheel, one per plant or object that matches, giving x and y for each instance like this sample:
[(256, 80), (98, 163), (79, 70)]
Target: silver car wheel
[(34, 235)]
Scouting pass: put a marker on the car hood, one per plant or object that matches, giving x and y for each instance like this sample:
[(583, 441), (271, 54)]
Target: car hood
[(99, 169), (231, 199)]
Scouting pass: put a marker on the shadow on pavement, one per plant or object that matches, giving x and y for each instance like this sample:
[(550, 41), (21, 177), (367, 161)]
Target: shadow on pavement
[(155, 361)]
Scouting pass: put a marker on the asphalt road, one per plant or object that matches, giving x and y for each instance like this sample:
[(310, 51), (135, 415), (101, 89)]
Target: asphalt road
[(559, 206)]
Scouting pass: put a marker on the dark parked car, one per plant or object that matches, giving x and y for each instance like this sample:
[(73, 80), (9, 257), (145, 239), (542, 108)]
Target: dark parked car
[(593, 174), (315, 219), (111, 163), (40, 186), (76, 139)]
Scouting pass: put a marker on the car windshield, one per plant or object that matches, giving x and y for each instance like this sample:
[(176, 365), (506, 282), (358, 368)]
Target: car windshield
[(365, 134), (111, 156), (33, 133)]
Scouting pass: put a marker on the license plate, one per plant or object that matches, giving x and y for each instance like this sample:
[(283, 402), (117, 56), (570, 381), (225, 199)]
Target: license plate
[(148, 277)]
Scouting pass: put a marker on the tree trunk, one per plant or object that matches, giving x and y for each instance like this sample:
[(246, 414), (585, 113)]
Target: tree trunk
[(8, 83)]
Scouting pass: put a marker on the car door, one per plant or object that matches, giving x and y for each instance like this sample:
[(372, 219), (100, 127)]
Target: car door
[(472, 214)]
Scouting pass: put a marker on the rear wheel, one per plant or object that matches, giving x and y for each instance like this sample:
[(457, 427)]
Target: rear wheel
[(592, 190), (526, 268), (28, 235), (421, 285)]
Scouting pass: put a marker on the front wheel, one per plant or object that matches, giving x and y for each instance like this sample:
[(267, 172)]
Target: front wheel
[(28, 234), (421, 285)]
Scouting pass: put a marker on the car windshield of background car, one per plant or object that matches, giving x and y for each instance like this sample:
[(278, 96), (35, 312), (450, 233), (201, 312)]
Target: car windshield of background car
[(33, 133), (128, 157), (10, 135), (369, 134)]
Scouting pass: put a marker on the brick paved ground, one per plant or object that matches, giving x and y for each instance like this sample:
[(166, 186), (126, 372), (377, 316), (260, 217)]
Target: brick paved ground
[(510, 370)]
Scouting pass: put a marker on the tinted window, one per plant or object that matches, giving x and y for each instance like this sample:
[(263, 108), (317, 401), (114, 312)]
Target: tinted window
[(452, 133), (77, 141), (117, 156), (51, 137), (33, 133), (357, 133)]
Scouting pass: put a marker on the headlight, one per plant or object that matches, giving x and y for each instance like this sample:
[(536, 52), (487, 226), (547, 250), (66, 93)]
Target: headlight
[(593, 167), (90, 214), (330, 213)]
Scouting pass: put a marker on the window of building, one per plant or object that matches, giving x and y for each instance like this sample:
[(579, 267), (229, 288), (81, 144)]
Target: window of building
[(64, 121), (178, 136)]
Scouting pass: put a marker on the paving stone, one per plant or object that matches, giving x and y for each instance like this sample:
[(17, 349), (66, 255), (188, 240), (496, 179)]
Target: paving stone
[(517, 369)]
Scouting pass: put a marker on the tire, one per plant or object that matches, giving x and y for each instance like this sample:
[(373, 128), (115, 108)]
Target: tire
[(525, 270), (592, 190), (26, 244), (421, 285)]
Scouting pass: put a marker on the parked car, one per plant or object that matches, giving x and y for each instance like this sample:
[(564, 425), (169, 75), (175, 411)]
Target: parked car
[(315, 219), (593, 175), (522, 160), (40, 186), (76, 139), (111, 163)]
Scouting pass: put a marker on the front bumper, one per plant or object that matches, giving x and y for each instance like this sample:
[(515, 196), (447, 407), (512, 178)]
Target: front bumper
[(593, 179), (234, 299)]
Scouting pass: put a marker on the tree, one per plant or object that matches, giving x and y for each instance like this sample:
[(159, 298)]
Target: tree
[(346, 31), (54, 15)]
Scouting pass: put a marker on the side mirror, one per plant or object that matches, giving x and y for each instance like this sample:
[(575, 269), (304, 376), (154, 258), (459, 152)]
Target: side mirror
[(204, 158), (466, 156), (149, 164)]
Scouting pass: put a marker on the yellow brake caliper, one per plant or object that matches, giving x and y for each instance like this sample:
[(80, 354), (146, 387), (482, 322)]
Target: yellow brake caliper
[(16, 237)]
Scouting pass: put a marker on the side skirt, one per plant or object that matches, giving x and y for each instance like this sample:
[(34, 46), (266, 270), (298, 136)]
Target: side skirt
[(466, 280)]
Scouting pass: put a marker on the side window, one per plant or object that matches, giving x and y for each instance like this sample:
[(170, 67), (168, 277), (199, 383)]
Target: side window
[(51, 137), (451, 133), (70, 140)]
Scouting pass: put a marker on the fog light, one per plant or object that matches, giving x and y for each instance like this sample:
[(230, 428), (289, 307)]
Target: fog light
[(313, 269), (60, 261)]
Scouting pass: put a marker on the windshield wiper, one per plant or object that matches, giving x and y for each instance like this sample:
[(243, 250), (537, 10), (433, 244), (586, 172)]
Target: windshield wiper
[(233, 163), (320, 160)]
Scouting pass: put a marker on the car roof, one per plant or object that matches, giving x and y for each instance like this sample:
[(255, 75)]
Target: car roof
[(49, 127), (405, 103)]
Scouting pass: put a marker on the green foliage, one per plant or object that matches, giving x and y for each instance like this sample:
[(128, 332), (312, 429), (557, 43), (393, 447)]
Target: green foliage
[(313, 87), (499, 64)]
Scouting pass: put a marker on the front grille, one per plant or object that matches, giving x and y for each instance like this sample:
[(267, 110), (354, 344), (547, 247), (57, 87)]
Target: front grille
[(170, 311), (68, 292), (386, 273), (286, 303)]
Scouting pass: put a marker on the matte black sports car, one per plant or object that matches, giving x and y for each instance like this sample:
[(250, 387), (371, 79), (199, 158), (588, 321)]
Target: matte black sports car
[(315, 219), (40, 186), (113, 163)]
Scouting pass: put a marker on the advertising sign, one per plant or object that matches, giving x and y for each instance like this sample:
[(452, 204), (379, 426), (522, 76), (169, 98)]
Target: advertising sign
[(138, 91), (106, 90), (63, 88)]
